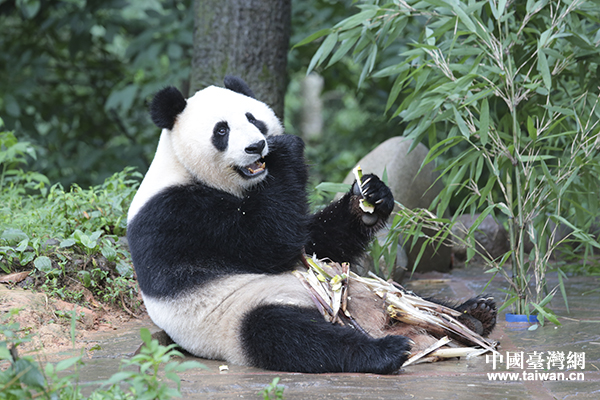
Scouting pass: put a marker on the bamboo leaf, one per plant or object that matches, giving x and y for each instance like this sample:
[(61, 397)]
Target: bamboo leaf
[(531, 129), (504, 209), (507, 303), (544, 69), (323, 51), (566, 185), (313, 37), (69, 362), (342, 50), (561, 285), (464, 18), (369, 65), (484, 122), (549, 177), (357, 19), (460, 122), (480, 219), (333, 187), (546, 314)]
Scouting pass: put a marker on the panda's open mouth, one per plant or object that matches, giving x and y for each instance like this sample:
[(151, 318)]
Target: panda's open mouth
[(252, 170)]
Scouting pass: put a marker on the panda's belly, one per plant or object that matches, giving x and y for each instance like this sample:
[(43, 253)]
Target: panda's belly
[(206, 321)]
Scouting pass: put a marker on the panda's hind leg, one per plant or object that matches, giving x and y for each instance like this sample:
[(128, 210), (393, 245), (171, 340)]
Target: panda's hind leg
[(295, 339), (480, 313)]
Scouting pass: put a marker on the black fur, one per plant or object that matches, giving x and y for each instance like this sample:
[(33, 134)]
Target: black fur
[(262, 127), (478, 314), (166, 105), (341, 235), (293, 339), (238, 85), (220, 137)]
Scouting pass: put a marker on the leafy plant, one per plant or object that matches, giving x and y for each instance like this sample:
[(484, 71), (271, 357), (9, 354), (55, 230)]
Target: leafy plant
[(75, 76), (13, 156), (68, 239), (505, 94), (143, 381), (273, 389), (21, 377)]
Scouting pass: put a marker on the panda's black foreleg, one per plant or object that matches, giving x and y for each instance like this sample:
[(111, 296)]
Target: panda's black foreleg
[(478, 313), (342, 230), (294, 339)]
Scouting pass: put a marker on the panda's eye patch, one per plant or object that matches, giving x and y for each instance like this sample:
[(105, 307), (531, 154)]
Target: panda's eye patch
[(220, 136), (262, 127), (221, 128)]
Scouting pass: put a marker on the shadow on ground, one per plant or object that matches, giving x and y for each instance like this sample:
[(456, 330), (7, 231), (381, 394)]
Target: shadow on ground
[(453, 379)]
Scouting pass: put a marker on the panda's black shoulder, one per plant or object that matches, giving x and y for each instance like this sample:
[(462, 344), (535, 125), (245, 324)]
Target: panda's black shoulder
[(181, 201)]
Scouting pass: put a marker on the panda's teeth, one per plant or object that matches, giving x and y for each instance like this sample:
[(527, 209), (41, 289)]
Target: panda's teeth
[(256, 167)]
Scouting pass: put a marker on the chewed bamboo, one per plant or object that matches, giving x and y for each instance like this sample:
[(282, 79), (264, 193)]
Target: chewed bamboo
[(328, 285)]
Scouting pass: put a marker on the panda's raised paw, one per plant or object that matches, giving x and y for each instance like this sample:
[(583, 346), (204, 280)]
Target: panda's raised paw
[(285, 143), (375, 192)]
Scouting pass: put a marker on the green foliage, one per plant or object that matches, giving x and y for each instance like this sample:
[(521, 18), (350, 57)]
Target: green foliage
[(140, 377), (141, 373), (69, 239), (273, 390), (13, 156), (353, 123), (75, 76), (507, 99)]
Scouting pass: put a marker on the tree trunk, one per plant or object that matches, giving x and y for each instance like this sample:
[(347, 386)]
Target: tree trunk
[(245, 38)]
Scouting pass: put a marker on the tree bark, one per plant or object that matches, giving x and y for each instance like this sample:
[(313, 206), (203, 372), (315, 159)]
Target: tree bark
[(245, 38)]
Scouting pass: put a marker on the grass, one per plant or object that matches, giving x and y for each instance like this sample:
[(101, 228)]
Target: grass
[(70, 241)]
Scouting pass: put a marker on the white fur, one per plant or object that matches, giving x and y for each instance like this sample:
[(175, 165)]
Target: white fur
[(206, 321), (164, 171), (186, 152)]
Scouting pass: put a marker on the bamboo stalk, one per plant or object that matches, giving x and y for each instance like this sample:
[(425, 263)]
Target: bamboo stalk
[(428, 350), (328, 285)]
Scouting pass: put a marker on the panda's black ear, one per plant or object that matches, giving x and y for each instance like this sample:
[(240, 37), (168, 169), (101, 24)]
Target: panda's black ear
[(166, 106), (238, 85)]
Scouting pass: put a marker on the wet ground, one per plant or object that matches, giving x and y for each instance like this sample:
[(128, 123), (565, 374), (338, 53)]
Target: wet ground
[(578, 340)]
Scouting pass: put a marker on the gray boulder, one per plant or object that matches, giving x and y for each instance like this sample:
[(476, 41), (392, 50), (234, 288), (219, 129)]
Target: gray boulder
[(412, 188), (491, 237)]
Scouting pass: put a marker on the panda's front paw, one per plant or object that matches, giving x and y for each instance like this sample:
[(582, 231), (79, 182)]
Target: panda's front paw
[(376, 193), (288, 145), (285, 160)]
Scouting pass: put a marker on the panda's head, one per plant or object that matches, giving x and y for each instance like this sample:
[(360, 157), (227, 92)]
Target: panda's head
[(219, 135)]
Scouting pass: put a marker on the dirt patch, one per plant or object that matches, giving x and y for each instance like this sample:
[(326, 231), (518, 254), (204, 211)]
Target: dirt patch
[(48, 319)]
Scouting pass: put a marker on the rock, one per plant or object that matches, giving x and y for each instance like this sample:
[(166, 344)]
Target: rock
[(411, 188), (491, 237)]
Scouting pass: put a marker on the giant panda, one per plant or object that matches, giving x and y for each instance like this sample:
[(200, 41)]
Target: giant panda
[(221, 220)]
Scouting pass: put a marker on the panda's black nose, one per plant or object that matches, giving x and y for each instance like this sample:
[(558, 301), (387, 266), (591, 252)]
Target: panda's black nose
[(256, 148)]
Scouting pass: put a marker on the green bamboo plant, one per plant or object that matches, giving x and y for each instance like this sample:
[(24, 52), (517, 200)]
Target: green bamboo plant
[(505, 93)]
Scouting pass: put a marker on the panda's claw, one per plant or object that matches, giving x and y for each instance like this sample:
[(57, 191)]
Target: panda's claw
[(374, 191), (483, 310)]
